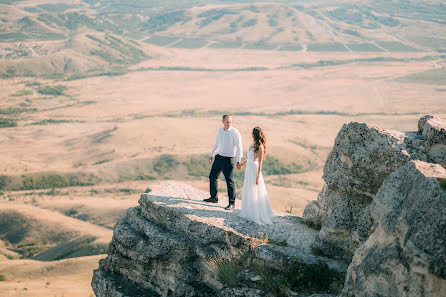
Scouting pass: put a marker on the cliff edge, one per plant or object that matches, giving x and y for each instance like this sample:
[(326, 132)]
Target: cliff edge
[(174, 244)]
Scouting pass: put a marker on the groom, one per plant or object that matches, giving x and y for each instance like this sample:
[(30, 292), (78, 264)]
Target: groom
[(228, 144)]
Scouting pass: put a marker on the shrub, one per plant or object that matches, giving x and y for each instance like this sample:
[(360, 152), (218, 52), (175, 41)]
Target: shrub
[(50, 121), (145, 177), (272, 279), (5, 123), (316, 250), (15, 110), (71, 212), (443, 183), (314, 225), (300, 277), (279, 243), (2, 278), (198, 165), (53, 192), (128, 191), (165, 164), (314, 278), (56, 91), (228, 273), (30, 249)]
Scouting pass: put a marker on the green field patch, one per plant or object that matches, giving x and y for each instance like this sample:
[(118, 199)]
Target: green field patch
[(49, 36), (106, 56), (272, 22), (94, 38), (56, 7), (216, 14), (190, 43), (16, 110), (163, 21), (13, 36), (395, 46), (432, 42), (260, 45), (326, 47), (250, 23), (351, 32), (74, 20), (76, 247), (227, 44), (358, 17), (211, 16), (432, 77), (125, 191), (161, 40), (30, 9), (184, 68), (364, 47), (297, 112), (130, 53), (290, 47), (46, 181), (8, 1)]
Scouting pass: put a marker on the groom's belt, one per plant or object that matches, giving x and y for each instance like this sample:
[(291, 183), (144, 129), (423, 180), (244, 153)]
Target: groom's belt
[(224, 156)]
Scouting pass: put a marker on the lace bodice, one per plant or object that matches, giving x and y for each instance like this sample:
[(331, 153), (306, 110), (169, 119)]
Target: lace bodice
[(251, 154)]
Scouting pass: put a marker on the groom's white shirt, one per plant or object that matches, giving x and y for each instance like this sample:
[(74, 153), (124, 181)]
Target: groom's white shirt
[(228, 143)]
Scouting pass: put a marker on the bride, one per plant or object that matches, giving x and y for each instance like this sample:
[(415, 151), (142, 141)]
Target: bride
[(255, 202)]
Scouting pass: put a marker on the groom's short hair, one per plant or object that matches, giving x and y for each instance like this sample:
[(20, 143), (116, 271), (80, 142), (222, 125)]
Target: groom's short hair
[(225, 116)]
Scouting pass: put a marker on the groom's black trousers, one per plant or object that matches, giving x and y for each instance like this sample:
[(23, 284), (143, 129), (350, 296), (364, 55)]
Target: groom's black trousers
[(225, 164)]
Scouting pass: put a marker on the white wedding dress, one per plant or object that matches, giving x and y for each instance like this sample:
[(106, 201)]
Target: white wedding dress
[(255, 202)]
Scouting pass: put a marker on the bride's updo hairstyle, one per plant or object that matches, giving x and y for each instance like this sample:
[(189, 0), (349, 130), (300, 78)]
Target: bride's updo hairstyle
[(259, 138)]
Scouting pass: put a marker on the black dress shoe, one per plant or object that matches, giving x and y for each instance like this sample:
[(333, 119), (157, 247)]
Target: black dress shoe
[(212, 200), (229, 207)]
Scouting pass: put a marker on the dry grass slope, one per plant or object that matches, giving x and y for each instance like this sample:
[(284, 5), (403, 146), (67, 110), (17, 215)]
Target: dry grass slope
[(47, 235)]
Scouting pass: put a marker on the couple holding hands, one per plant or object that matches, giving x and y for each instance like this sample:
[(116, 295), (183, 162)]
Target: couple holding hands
[(255, 203)]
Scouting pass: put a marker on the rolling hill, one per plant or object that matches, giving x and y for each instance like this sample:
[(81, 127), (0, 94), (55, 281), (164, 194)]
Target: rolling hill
[(77, 39), (46, 235)]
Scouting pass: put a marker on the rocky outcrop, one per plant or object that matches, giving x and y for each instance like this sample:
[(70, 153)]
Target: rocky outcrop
[(434, 132), (381, 208), (169, 246), (405, 255), (363, 156)]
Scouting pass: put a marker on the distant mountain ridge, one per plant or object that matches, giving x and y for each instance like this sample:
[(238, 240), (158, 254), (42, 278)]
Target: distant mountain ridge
[(322, 26)]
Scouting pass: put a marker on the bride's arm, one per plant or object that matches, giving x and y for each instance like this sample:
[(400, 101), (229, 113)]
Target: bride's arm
[(244, 162), (260, 157)]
